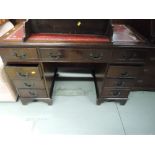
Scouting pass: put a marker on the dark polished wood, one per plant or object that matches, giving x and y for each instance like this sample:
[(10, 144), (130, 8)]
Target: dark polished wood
[(19, 53), (144, 27), (75, 55), (69, 26), (115, 93), (22, 72), (31, 93), (119, 83), (37, 84), (124, 71), (117, 67)]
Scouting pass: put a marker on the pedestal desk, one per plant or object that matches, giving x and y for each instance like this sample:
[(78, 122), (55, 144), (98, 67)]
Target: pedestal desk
[(125, 64)]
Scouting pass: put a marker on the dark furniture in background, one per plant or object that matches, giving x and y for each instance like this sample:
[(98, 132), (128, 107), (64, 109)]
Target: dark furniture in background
[(117, 67), (144, 27)]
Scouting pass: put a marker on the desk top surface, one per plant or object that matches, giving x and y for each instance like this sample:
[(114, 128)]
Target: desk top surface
[(122, 35)]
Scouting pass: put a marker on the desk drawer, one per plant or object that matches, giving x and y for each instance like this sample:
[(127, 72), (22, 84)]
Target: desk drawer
[(124, 71), (32, 93), (149, 70), (129, 55), (115, 93), (145, 82), (38, 84), (22, 72), (19, 53), (75, 55), (120, 83)]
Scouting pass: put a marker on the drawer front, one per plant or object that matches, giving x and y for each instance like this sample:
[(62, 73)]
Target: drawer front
[(23, 72), (115, 93), (149, 71), (19, 53), (98, 55), (129, 55), (76, 55), (124, 71), (145, 82), (120, 83), (38, 84), (32, 93), (53, 53)]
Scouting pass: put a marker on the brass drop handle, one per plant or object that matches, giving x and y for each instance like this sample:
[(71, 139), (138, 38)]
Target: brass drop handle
[(120, 83), (96, 55), (23, 75), (32, 93), (116, 93), (129, 55), (27, 84), (124, 74), (20, 55), (55, 55)]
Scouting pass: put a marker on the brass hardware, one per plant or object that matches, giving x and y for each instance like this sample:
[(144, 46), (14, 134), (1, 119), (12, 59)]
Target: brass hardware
[(125, 74), (27, 85), (120, 83), (22, 74), (96, 55), (33, 72), (116, 93), (21, 55), (55, 55), (32, 93), (79, 23)]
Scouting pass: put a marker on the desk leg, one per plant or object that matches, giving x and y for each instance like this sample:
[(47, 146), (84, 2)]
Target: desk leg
[(99, 101)]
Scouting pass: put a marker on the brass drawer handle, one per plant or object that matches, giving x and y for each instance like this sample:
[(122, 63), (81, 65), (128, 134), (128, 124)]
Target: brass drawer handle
[(124, 74), (116, 93), (120, 83), (23, 75), (55, 55), (96, 55), (27, 85), (129, 55), (32, 93), (21, 55)]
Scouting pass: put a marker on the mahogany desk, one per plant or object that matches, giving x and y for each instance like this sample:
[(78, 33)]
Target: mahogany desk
[(125, 64)]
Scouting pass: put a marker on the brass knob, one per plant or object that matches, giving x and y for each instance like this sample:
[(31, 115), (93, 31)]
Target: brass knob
[(79, 23)]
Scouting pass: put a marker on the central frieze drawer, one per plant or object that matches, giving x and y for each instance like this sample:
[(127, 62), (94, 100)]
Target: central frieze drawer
[(124, 71), (22, 72), (75, 55), (32, 93), (18, 53), (38, 84)]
